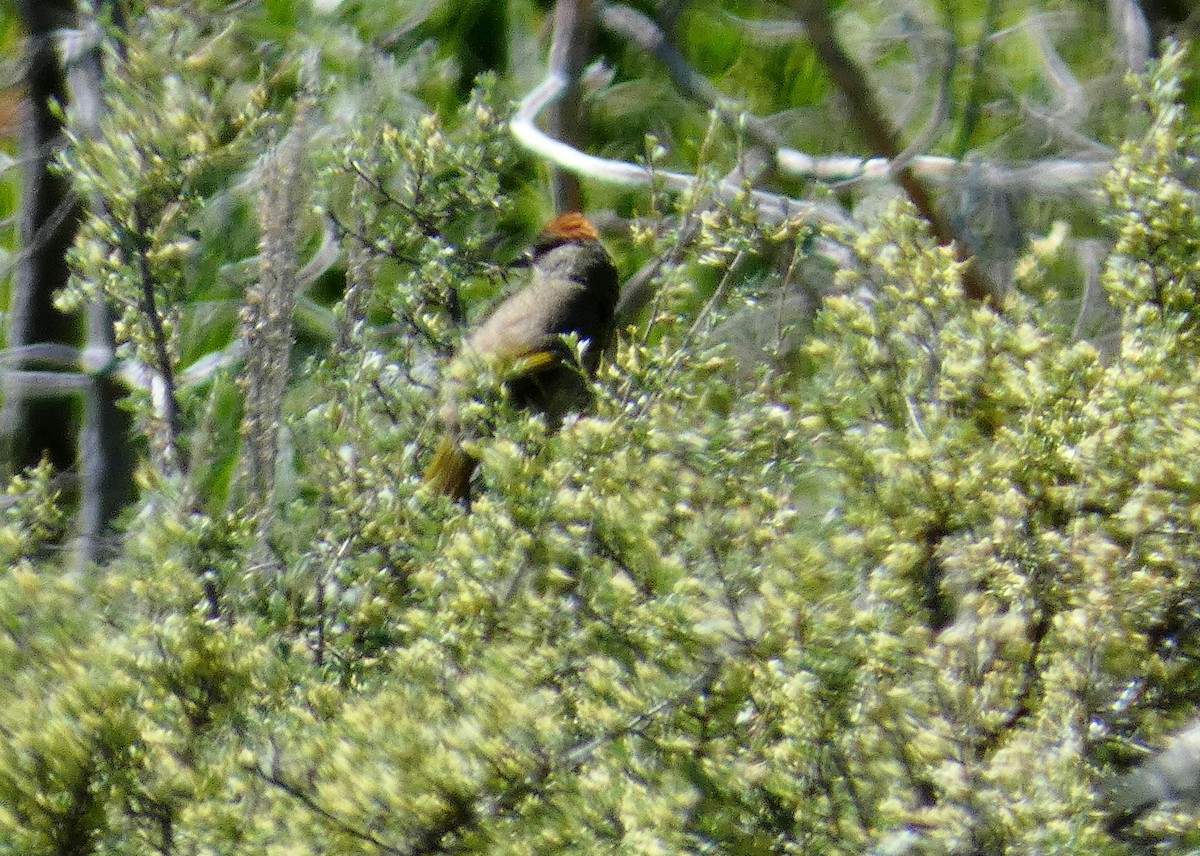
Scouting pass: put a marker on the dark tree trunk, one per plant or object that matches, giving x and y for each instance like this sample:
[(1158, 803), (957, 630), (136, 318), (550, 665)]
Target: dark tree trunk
[(106, 451), (34, 425), (35, 422)]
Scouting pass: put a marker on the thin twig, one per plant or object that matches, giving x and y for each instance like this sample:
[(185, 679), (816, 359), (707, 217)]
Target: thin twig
[(158, 335), (701, 319), (40, 384), (647, 35), (971, 111), (46, 232), (53, 353)]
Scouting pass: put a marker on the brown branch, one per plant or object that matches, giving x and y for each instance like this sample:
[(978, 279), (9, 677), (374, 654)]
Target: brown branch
[(880, 136), (568, 52)]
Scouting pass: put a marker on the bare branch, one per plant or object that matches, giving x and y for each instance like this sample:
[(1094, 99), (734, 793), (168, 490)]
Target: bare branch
[(773, 207), (1071, 102), (647, 35), (971, 111), (1052, 176), (1132, 32), (37, 385), (768, 32), (54, 353), (941, 109), (568, 55), (874, 126)]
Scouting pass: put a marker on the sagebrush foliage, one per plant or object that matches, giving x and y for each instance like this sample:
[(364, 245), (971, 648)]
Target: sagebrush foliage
[(152, 182), (923, 596)]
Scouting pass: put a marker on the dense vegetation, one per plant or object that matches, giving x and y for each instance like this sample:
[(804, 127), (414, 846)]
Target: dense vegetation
[(845, 558)]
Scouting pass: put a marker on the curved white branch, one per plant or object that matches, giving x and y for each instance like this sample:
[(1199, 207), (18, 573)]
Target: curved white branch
[(1053, 176), (1057, 176), (773, 206)]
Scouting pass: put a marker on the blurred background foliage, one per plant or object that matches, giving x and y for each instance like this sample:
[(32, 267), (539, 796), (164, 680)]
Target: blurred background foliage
[(839, 561), (10, 95)]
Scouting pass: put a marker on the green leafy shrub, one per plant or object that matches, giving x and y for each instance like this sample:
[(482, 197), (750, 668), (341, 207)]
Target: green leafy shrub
[(921, 592)]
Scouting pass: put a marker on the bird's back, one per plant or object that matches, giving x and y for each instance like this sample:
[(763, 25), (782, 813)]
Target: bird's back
[(573, 289), (567, 294)]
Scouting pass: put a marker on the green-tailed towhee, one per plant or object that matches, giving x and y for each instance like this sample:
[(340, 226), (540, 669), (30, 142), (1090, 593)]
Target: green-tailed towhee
[(572, 289)]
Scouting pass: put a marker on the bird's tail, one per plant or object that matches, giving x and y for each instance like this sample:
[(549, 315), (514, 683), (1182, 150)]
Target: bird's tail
[(450, 470)]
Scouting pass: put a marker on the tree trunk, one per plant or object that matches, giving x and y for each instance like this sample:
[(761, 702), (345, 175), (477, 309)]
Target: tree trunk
[(36, 421)]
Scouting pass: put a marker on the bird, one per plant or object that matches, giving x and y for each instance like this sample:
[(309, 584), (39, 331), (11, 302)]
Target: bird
[(573, 288)]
